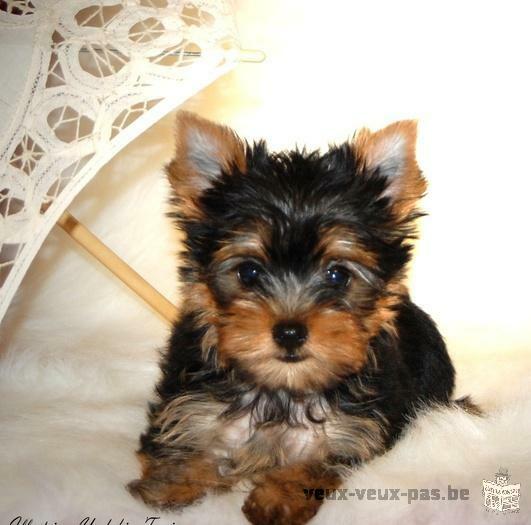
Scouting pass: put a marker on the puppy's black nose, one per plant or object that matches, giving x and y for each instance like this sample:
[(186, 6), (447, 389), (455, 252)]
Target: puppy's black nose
[(290, 335)]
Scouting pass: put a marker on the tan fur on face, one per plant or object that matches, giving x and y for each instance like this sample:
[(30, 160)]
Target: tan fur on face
[(394, 147), (339, 243), (336, 347), (199, 298), (338, 342), (244, 334), (244, 244), (384, 313)]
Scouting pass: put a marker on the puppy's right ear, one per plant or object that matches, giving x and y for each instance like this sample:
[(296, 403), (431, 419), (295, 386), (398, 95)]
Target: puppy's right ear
[(391, 153), (204, 152)]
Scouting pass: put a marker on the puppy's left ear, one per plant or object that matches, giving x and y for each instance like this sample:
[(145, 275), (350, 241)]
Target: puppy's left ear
[(390, 152), (204, 152)]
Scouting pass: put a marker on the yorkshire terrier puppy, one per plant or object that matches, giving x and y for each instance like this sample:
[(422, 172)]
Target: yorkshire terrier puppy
[(297, 353)]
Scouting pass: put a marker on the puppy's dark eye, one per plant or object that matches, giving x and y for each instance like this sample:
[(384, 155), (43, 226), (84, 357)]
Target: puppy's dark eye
[(249, 273), (338, 276)]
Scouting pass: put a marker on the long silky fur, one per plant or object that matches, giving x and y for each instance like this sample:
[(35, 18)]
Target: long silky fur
[(293, 209)]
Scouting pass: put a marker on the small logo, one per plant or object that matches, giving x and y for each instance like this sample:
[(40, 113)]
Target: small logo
[(499, 496)]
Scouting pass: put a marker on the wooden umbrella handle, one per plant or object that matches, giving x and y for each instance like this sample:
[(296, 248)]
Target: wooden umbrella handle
[(122, 270)]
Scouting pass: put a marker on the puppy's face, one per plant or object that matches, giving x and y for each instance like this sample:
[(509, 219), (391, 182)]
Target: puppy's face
[(294, 260)]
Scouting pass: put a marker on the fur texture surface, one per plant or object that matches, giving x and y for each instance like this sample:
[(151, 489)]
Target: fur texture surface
[(297, 351)]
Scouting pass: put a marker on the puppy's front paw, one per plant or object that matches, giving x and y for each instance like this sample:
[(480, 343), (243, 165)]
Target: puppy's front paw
[(165, 495), (166, 484), (273, 504)]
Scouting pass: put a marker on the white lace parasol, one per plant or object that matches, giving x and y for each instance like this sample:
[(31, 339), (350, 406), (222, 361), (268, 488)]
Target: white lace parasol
[(81, 79)]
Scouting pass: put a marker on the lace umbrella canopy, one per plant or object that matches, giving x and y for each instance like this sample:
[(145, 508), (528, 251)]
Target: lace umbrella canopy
[(81, 79)]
